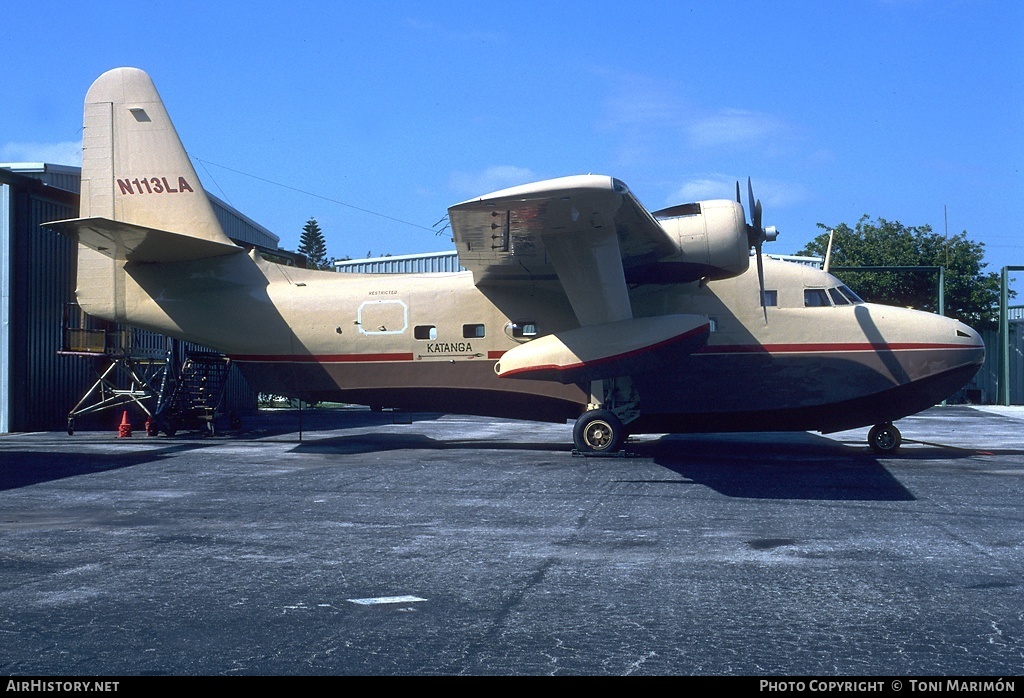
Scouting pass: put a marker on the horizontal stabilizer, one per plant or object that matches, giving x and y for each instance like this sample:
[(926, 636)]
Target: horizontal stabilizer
[(136, 243), (613, 349)]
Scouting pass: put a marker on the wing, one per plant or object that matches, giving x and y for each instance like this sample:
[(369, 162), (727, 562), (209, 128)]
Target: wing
[(584, 231)]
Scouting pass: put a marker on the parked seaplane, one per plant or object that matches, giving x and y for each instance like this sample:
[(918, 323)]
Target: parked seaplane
[(578, 304)]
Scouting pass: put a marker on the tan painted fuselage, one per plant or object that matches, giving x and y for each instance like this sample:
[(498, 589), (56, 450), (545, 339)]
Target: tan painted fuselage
[(578, 300), (353, 338)]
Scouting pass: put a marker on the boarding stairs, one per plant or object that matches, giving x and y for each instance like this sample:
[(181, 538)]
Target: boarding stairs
[(197, 394)]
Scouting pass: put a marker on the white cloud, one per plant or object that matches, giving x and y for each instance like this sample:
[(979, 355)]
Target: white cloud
[(491, 179), (642, 109), (714, 186), (650, 120), (773, 193), (62, 153), (731, 127)]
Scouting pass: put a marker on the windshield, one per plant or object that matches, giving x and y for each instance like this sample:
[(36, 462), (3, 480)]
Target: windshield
[(854, 298)]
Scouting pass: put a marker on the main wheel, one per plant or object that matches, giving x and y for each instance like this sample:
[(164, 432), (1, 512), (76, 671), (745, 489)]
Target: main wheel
[(598, 431), (884, 439)]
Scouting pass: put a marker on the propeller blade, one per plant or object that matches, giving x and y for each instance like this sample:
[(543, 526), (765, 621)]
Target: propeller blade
[(760, 281), (757, 236)]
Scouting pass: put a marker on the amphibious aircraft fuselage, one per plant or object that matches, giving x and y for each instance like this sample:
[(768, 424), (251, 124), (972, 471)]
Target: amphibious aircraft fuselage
[(578, 304)]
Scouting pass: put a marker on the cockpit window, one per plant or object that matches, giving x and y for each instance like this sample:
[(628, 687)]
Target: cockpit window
[(854, 298), (771, 298), (815, 298), (837, 297)]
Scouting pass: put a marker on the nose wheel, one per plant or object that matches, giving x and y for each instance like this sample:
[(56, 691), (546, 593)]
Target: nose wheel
[(884, 439)]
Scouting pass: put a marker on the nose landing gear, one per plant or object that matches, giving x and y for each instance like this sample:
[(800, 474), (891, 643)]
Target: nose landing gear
[(884, 439)]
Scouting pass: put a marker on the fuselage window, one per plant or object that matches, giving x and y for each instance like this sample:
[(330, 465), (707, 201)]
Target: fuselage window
[(425, 332), (771, 298), (474, 331), (524, 329), (815, 298), (837, 297)]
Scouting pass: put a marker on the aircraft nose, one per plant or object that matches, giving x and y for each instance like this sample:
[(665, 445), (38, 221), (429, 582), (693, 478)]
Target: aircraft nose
[(969, 339), (978, 342)]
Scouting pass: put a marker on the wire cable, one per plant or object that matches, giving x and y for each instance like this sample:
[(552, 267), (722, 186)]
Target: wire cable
[(309, 193)]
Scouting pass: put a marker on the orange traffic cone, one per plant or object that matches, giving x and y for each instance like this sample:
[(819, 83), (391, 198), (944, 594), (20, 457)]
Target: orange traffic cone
[(125, 430)]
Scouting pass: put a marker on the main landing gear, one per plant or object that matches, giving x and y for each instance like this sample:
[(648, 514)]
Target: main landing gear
[(884, 439), (601, 430), (598, 432)]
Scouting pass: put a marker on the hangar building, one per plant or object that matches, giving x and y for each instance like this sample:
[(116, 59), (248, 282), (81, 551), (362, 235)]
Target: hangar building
[(39, 381)]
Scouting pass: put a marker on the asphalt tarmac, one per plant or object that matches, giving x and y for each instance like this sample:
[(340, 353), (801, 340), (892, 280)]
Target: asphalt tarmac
[(459, 545)]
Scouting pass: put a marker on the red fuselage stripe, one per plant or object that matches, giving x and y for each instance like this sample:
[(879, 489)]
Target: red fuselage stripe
[(322, 358), (825, 348), (720, 349)]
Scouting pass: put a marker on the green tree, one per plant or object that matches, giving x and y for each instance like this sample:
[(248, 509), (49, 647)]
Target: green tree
[(972, 295), (313, 245)]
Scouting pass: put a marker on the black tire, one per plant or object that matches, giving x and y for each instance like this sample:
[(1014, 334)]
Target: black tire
[(884, 439), (71, 427), (598, 431)]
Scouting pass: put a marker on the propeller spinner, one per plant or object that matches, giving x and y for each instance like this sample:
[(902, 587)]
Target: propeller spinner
[(757, 236)]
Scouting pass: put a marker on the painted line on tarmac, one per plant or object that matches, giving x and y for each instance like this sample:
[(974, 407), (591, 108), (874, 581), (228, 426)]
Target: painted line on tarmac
[(386, 599), (952, 448)]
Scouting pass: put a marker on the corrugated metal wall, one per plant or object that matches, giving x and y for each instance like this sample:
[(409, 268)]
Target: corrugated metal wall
[(64, 177), (432, 262), (987, 379), (42, 386)]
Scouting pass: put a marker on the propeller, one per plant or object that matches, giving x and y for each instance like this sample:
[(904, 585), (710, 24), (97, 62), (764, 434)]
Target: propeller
[(757, 236)]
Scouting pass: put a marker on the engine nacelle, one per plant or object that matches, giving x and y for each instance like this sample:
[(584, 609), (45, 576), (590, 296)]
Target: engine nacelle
[(712, 238), (712, 241)]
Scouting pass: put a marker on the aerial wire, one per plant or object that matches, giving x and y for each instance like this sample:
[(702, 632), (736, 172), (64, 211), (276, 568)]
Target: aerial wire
[(214, 180), (309, 193)]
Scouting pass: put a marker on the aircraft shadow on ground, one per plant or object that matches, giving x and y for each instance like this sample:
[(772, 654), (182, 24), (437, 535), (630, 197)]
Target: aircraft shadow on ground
[(289, 422), (777, 466), (380, 442), (26, 468)]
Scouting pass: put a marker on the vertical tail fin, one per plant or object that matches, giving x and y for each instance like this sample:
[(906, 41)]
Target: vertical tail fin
[(134, 167), (141, 200)]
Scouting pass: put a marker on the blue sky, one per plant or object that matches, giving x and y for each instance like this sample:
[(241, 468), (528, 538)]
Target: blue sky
[(891, 108)]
